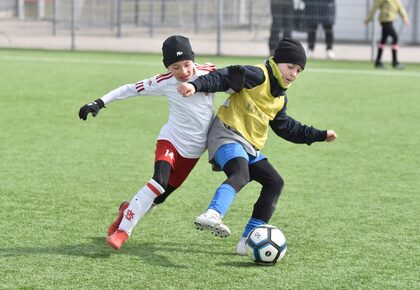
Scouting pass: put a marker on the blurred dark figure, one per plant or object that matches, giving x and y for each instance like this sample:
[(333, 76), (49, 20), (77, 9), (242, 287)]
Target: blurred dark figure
[(282, 21), (320, 12)]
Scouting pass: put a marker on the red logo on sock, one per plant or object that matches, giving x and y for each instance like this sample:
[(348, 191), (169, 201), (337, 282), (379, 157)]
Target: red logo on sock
[(129, 215)]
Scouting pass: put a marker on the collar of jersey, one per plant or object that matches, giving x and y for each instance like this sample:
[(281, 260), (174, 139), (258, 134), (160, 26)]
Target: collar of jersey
[(277, 74)]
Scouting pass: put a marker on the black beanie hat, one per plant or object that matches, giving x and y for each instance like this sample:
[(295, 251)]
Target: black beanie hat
[(176, 48), (290, 51)]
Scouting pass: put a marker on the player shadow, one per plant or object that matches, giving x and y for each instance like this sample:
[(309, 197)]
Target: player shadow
[(151, 253), (96, 248), (244, 264)]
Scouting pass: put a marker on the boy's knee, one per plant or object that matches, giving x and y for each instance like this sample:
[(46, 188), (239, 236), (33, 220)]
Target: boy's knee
[(161, 180), (238, 179), (278, 184)]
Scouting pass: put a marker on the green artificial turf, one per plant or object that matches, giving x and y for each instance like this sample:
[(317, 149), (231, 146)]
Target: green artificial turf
[(349, 210)]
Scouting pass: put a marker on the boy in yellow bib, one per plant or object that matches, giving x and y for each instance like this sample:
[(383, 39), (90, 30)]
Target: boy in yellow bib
[(239, 132)]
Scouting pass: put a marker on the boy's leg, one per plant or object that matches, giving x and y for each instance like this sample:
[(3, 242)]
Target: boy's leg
[(329, 36), (395, 47), (180, 168), (272, 184), (137, 208), (139, 205), (144, 198), (233, 159), (381, 44), (312, 28), (378, 62), (274, 38)]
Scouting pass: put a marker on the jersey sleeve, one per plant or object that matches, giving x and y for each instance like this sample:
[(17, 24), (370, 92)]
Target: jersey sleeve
[(146, 87), (219, 80), (401, 10), (372, 10), (292, 130)]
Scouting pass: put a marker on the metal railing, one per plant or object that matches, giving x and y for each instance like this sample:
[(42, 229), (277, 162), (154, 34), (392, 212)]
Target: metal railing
[(245, 19)]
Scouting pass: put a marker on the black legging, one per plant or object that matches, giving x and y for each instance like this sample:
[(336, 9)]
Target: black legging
[(272, 185), (161, 176), (282, 20), (239, 173), (388, 30), (329, 38)]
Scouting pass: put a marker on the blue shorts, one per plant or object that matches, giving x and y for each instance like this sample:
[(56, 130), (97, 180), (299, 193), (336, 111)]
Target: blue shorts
[(229, 151)]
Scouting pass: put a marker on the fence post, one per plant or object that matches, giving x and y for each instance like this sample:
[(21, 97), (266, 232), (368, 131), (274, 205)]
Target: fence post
[(219, 26), (151, 17), (41, 9), (55, 17), (20, 9), (137, 12), (119, 18), (197, 16), (73, 24), (415, 22)]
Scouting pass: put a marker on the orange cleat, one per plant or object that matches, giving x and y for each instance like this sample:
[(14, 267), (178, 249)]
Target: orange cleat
[(114, 226), (117, 239)]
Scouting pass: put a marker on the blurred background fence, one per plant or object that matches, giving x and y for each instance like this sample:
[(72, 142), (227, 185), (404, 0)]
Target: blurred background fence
[(67, 24)]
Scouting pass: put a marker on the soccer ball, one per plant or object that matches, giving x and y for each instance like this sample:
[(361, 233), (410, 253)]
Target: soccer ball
[(266, 244)]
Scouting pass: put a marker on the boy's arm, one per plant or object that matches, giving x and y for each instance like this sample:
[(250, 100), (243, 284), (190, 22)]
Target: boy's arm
[(218, 80), (233, 77), (147, 87), (372, 11), (119, 93), (403, 13), (293, 131)]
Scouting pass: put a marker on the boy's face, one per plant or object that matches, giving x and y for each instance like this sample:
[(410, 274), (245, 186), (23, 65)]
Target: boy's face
[(289, 72), (182, 70)]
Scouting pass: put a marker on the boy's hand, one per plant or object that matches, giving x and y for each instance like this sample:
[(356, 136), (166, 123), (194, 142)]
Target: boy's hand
[(331, 136), (186, 89), (92, 107), (236, 77)]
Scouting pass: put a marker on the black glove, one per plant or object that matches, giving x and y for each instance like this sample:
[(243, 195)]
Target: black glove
[(92, 107), (236, 78)]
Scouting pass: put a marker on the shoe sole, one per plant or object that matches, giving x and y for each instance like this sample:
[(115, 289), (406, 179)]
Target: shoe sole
[(112, 245), (240, 253), (219, 230)]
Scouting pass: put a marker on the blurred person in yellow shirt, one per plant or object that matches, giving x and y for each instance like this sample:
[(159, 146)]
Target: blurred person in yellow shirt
[(388, 12)]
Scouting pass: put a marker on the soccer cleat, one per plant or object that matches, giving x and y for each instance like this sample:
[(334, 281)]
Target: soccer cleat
[(310, 53), (211, 221), (330, 54), (114, 226), (240, 247), (397, 65), (379, 65), (117, 239)]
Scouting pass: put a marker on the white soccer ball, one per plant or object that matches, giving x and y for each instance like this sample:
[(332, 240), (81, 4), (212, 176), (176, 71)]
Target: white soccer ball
[(266, 244)]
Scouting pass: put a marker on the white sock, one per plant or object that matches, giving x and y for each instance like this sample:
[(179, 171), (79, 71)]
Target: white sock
[(139, 205), (213, 212)]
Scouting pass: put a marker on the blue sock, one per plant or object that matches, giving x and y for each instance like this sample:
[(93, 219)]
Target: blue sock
[(251, 225), (223, 198)]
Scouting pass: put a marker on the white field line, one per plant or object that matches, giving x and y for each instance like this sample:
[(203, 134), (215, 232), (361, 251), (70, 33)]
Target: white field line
[(74, 60), (390, 72)]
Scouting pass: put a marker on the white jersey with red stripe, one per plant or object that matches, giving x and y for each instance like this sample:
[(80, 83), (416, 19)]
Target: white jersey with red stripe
[(189, 117)]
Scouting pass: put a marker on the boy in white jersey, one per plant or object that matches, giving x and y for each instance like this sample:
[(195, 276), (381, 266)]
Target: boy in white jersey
[(181, 141), (240, 131)]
